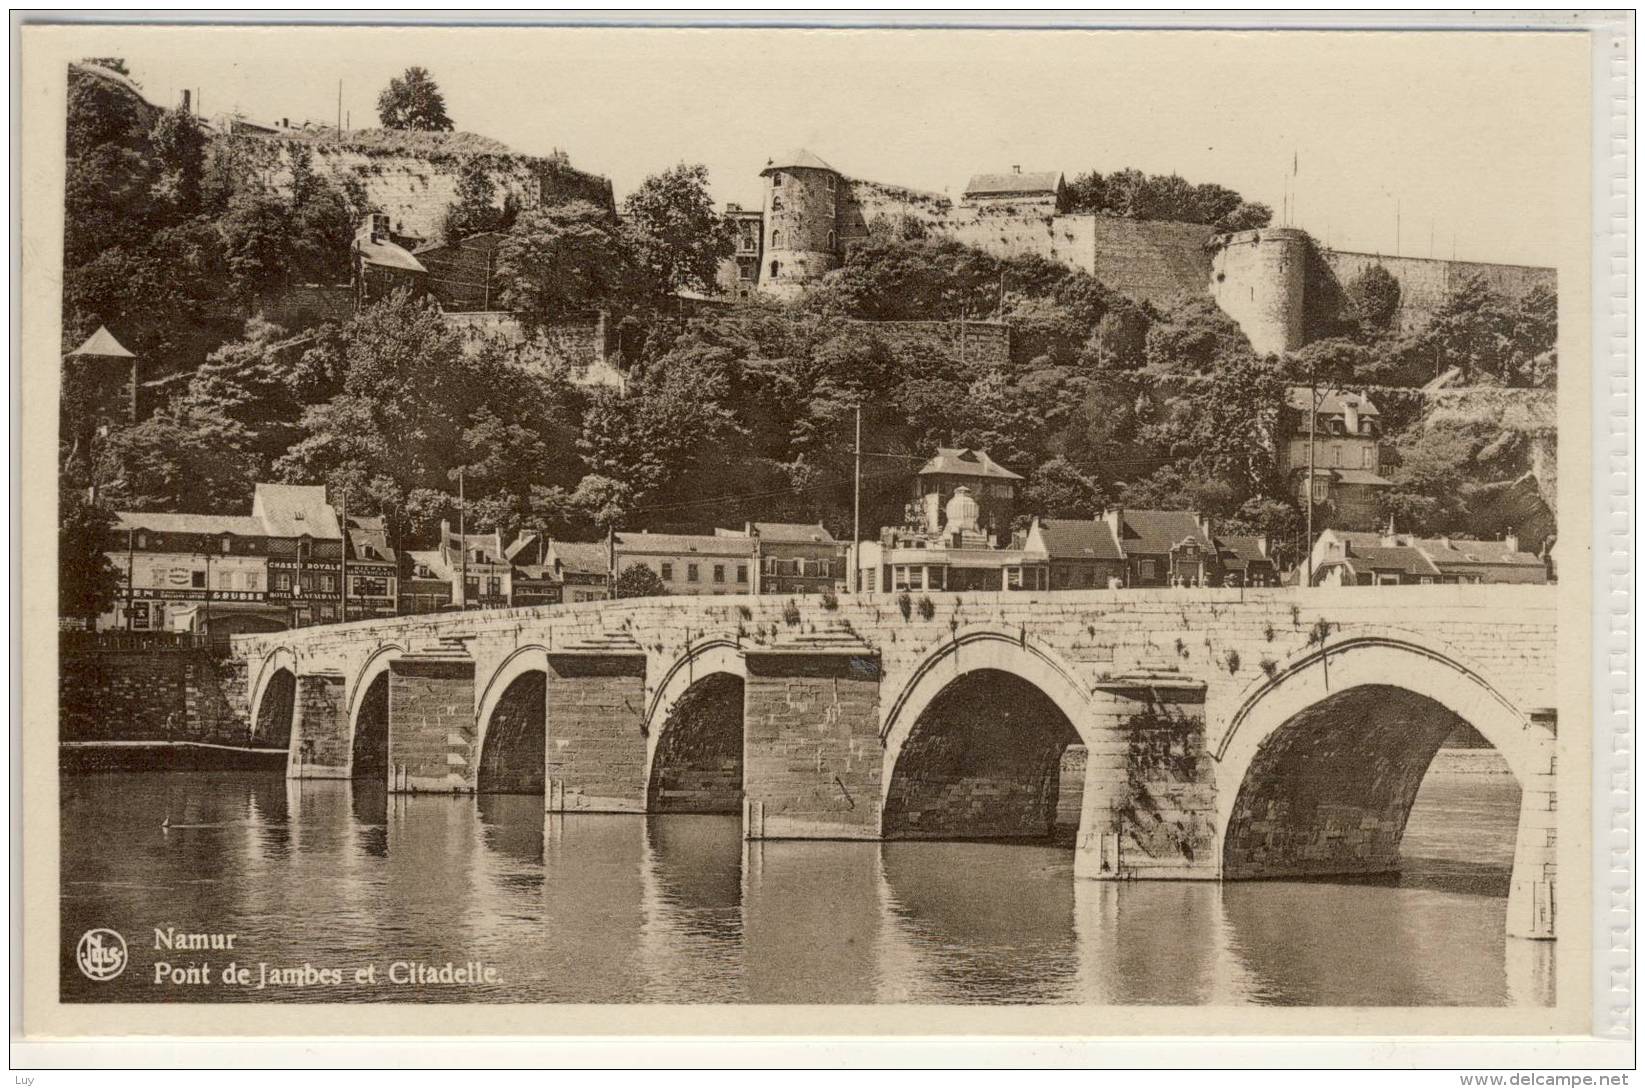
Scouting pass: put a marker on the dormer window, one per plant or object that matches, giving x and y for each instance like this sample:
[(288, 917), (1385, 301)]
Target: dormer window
[(776, 178), (225, 545), (142, 540)]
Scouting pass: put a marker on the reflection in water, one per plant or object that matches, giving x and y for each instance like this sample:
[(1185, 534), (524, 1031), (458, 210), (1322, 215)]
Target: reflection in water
[(592, 908)]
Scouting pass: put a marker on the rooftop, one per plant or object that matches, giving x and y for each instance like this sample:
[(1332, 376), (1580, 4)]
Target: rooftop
[(1015, 181), (368, 539), (102, 345), (1159, 531), (1079, 539), (240, 525), (684, 543), (582, 557), (956, 461), (796, 158), (388, 255), (1332, 402), (295, 510), (784, 533)]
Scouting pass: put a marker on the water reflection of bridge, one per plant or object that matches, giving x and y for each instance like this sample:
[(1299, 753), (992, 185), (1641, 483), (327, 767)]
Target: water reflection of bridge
[(1207, 734)]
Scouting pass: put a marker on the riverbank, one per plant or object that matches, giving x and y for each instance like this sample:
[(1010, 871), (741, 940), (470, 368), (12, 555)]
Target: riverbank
[(85, 757), (1485, 761)]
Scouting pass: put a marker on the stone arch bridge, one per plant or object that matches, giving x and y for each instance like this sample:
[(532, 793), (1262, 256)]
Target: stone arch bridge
[(1214, 734)]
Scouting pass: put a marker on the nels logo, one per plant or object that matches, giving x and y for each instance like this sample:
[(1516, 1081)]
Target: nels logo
[(101, 954)]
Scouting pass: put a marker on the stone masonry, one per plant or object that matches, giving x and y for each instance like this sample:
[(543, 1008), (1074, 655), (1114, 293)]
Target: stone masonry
[(1223, 733)]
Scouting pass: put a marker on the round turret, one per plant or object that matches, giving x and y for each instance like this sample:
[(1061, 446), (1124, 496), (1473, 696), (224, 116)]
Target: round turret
[(803, 198), (1257, 279)]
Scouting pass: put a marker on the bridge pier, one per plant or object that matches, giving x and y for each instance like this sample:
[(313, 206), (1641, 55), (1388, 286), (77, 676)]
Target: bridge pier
[(431, 729), (811, 744), (320, 740), (1531, 902), (595, 755), (1149, 807)]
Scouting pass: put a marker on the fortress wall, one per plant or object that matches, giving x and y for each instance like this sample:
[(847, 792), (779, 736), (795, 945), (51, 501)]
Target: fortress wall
[(874, 200), (1150, 260), (416, 191), (984, 342), (575, 344), (1258, 279), (1425, 282)]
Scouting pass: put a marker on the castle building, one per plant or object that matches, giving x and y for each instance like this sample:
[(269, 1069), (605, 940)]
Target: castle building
[(1277, 283)]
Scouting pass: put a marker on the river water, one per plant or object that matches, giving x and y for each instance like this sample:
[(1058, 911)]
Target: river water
[(340, 881)]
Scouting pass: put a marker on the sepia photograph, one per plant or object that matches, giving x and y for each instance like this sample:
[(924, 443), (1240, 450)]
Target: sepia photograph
[(731, 519)]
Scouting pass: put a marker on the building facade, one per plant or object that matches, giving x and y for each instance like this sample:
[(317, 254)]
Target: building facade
[(959, 556), (692, 564), (191, 572), (993, 487), (1346, 443), (372, 578), (1348, 558), (795, 558)]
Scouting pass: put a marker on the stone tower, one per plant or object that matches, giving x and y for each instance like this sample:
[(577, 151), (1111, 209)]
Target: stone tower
[(1257, 278), (804, 199)]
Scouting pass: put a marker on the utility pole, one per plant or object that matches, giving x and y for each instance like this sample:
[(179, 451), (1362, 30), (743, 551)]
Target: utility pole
[(462, 532), (208, 593), (1313, 418), (339, 107), (611, 561), (342, 575), (856, 503)]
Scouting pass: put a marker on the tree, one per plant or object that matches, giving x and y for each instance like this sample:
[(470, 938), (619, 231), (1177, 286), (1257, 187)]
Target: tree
[(475, 209), (563, 261), (413, 101), (1059, 490), (640, 581), (678, 236), (87, 583), (113, 64), (1374, 297)]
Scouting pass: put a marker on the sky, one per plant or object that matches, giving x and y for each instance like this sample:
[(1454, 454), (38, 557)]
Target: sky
[(1425, 144)]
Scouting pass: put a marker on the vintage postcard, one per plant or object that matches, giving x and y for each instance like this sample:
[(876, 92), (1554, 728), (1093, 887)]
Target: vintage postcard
[(603, 530)]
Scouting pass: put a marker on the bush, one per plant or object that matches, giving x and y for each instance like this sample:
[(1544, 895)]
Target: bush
[(791, 613), (905, 604), (830, 600), (928, 609), (640, 581)]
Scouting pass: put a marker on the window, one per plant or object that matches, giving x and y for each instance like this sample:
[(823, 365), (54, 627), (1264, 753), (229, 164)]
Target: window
[(282, 582), (668, 572), (872, 579), (225, 580), (776, 204), (742, 572), (776, 178), (691, 573), (1145, 569), (225, 546), (328, 584), (831, 242), (1322, 490), (719, 572), (771, 565), (494, 586), (197, 579), (776, 266), (1013, 578), (776, 243), (829, 180), (143, 542), (1368, 458)]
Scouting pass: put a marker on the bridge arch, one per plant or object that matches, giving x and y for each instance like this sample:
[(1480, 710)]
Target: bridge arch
[(694, 731), (1320, 763), (273, 697), (512, 725), (1043, 709), (368, 715)]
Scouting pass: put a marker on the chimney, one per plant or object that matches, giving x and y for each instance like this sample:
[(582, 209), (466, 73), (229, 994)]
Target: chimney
[(1115, 517), (285, 122), (1262, 545), (1511, 539), (185, 100), (748, 529), (1204, 525), (1016, 169)]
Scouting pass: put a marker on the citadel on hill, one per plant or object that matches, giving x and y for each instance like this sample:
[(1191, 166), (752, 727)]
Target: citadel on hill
[(1278, 283)]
